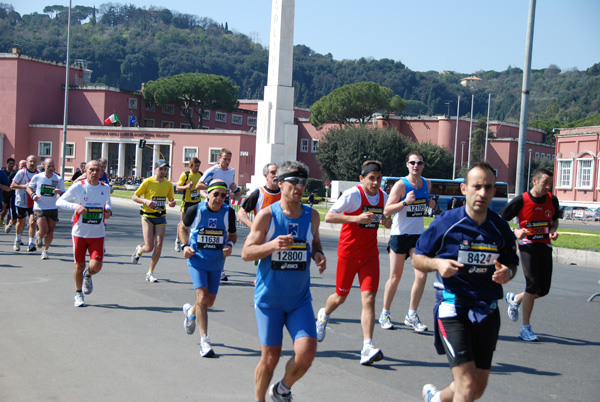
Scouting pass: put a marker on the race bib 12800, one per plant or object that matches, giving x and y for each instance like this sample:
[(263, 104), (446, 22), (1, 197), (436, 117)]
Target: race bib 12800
[(291, 260)]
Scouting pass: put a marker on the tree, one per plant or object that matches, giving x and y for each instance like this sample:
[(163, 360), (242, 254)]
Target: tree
[(343, 150), (350, 103), (207, 91), (478, 141)]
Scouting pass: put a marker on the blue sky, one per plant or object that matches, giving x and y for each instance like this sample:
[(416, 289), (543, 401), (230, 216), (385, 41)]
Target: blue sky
[(460, 35)]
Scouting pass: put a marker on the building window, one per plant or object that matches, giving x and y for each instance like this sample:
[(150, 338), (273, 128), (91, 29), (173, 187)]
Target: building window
[(183, 113), (68, 171), (44, 148), (168, 109), (564, 173), (537, 155), (148, 122), (252, 121), (206, 115), (167, 124), (189, 153), (304, 145), (149, 106), (220, 116), (315, 146), (132, 103), (185, 125), (70, 150), (213, 155), (584, 173), (543, 156), (236, 119)]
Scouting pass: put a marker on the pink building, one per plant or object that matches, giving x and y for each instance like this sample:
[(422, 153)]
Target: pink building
[(31, 122), (576, 170)]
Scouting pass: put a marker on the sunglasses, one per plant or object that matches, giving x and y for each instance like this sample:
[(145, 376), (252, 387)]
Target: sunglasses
[(416, 163), (222, 195), (295, 181)]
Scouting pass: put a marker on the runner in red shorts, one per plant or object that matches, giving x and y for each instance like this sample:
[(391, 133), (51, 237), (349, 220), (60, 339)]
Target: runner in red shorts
[(360, 211), (90, 199)]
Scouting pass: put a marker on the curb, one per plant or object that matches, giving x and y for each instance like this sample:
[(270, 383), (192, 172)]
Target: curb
[(559, 255)]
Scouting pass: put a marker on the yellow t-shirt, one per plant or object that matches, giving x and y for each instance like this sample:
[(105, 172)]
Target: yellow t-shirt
[(193, 195), (159, 192)]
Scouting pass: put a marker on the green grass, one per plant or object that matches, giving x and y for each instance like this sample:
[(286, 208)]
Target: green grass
[(568, 238)]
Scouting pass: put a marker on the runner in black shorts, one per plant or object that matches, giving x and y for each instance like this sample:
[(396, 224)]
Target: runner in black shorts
[(537, 215), (473, 253)]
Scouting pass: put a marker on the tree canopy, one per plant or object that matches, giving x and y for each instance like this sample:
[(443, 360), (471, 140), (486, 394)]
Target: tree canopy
[(353, 102), (207, 91), (342, 151)]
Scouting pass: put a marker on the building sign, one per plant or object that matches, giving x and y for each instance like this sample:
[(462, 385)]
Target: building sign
[(129, 134)]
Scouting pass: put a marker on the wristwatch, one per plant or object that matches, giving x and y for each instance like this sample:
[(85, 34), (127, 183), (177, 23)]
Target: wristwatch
[(404, 203)]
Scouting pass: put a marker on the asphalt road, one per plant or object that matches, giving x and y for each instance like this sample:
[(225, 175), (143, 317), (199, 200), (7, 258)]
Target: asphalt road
[(129, 343)]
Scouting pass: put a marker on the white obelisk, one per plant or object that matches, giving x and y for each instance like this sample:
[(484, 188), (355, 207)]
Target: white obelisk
[(276, 134)]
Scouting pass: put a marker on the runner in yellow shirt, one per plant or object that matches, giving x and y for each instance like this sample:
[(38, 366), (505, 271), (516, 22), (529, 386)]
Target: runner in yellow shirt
[(154, 194), (187, 183)]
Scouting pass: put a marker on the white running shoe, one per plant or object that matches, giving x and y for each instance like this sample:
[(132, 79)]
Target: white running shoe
[(276, 396), (189, 325), (151, 278), (513, 306), (38, 240), (17, 246), (205, 348), (8, 228), (429, 391), (370, 354), (135, 257), (321, 325), (88, 286), (415, 323), (527, 334), (177, 245), (79, 302), (44, 255), (385, 321)]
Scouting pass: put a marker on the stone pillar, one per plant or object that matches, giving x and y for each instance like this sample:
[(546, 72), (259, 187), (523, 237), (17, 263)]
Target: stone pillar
[(105, 150), (138, 162), (276, 134), (121, 163)]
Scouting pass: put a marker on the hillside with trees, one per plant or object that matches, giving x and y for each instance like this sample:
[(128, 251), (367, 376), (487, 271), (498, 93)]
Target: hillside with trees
[(126, 46)]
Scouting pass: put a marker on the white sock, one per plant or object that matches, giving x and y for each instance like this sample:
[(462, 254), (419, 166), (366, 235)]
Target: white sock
[(436, 397), (385, 312), (412, 313), (368, 341)]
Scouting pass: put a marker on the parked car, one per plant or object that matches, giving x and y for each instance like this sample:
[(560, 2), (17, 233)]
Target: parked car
[(569, 212)]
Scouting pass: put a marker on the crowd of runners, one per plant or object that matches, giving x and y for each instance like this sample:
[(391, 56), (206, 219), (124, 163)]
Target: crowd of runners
[(472, 251)]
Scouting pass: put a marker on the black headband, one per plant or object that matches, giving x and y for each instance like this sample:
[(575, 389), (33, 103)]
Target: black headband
[(370, 167), (296, 173)]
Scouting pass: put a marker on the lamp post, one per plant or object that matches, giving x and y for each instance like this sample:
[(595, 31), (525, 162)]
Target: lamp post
[(462, 152), (529, 171)]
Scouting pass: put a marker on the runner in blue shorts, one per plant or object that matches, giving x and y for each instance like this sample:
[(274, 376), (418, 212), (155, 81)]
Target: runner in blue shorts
[(208, 234), (284, 237)]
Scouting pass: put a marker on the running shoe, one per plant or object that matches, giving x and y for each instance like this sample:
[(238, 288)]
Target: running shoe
[(513, 306), (17, 246), (135, 257), (88, 286), (277, 397), (429, 391), (205, 348), (177, 245), (79, 300), (370, 354), (189, 325), (151, 278), (224, 277), (415, 323), (321, 325), (31, 248), (527, 334), (385, 321), (38, 240), (44, 255), (8, 228)]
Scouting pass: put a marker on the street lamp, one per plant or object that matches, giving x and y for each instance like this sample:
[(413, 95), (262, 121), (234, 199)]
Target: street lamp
[(462, 152), (529, 170)]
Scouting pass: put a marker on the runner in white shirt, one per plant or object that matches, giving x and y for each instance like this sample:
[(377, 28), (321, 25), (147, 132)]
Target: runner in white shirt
[(44, 189), (23, 203), (90, 199)]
